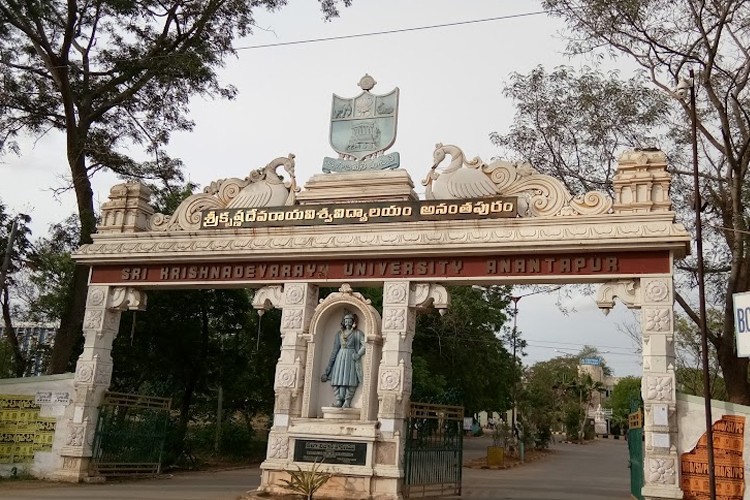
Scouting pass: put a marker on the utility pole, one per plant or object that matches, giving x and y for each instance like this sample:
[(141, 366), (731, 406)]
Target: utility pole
[(515, 364), (702, 294)]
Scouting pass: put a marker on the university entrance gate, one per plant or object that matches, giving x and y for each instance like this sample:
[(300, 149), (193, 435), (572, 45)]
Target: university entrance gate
[(494, 223)]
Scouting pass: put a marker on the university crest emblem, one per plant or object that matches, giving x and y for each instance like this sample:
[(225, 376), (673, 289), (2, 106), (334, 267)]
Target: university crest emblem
[(362, 128)]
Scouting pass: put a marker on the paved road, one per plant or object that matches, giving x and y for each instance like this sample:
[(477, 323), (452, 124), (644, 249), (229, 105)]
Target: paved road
[(596, 471), (221, 485)]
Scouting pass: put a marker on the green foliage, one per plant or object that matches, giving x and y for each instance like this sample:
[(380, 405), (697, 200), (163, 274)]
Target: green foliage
[(51, 271), (624, 395), (114, 77), (710, 38), (571, 124), (627, 390), (459, 358), (187, 344), (307, 482), (543, 397), (17, 256)]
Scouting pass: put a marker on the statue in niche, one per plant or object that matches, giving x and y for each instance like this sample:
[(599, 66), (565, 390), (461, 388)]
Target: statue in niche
[(344, 369)]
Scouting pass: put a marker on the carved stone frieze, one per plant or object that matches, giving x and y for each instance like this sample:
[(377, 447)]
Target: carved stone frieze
[(628, 291), (429, 294), (291, 319), (71, 463), (394, 319), (268, 297), (447, 235), (85, 372), (278, 447), (395, 293), (76, 435), (538, 195), (656, 290), (294, 293), (661, 470), (96, 297), (286, 377), (659, 388), (390, 379), (93, 319), (657, 320), (262, 188), (123, 298)]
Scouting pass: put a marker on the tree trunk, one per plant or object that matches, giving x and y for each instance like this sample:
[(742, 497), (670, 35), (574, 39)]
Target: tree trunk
[(63, 356), (192, 382), (19, 360), (734, 370)]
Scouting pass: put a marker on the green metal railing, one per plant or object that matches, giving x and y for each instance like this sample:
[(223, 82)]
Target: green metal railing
[(434, 451), (635, 449), (130, 435)]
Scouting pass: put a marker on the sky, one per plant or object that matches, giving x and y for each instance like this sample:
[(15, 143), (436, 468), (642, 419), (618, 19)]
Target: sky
[(450, 80)]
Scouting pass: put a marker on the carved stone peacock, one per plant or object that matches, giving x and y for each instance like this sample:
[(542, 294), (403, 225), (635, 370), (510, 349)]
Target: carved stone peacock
[(454, 182), (262, 188)]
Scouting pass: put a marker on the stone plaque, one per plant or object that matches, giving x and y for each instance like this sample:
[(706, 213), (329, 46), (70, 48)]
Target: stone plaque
[(330, 452)]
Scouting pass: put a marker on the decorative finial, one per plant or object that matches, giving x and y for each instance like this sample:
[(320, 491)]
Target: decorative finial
[(367, 82)]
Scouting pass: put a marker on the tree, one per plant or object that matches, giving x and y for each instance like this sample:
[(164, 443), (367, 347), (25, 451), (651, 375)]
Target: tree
[(50, 271), (710, 37), (459, 357), (625, 394), (109, 74), (572, 126), (542, 401), (688, 369), (15, 260)]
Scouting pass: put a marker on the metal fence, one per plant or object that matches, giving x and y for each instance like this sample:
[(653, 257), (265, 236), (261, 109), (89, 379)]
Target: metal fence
[(434, 451), (130, 435)]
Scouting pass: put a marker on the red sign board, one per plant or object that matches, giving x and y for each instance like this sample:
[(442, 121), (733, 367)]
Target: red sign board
[(422, 268)]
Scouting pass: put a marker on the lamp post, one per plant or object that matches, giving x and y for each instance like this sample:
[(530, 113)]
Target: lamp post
[(514, 336), (702, 293)]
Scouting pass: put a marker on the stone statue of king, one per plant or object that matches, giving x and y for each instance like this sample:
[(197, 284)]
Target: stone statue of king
[(344, 369)]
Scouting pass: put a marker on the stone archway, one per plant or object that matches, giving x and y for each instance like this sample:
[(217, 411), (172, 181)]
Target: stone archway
[(368, 228)]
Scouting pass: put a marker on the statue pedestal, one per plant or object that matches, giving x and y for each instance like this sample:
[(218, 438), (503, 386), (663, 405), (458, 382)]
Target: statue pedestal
[(364, 464), (334, 413), (365, 186)]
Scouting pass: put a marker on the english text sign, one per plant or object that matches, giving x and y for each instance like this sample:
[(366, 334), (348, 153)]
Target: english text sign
[(742, 323)]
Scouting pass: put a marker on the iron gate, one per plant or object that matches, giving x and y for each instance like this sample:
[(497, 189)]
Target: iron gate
[(130, 435), (635, 449), (434, 444)]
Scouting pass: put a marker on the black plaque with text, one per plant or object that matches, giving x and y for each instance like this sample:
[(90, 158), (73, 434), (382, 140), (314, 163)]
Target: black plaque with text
[(330, 452)]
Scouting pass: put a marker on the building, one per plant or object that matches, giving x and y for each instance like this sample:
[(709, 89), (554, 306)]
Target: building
[(36, 341)]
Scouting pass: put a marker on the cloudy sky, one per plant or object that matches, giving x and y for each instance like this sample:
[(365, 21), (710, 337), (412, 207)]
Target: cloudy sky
[(451, 80)]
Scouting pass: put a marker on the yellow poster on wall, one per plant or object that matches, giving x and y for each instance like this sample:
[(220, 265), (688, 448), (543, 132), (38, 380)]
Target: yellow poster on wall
[(22, 431)]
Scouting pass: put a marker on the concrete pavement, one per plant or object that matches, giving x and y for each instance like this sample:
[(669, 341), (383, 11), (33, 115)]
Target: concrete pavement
[(596, 471)]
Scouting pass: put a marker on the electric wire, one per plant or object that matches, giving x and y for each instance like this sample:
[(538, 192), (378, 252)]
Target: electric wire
[(390, 32)]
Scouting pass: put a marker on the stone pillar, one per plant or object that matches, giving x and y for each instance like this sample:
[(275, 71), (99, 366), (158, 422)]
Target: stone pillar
[(297, 301), (661, 460), (654, 297), (104, 305), (401, 301)]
